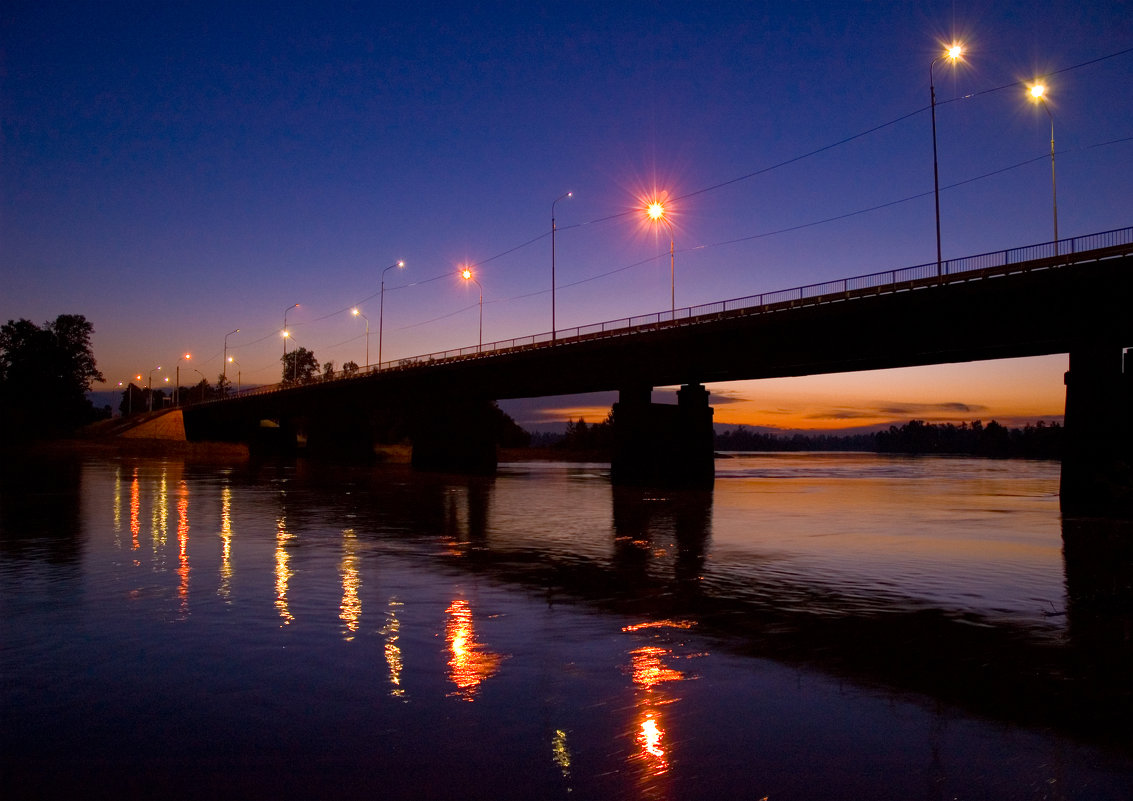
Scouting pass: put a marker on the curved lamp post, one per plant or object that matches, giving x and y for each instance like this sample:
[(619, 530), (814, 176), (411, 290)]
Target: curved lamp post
[(285, 332), (177, 382), (224, 365), (657, 213), (230, 360), (466, 274), (381, 308), (204, 383), (1038, 94), (556, 200), (953, 53), (149, 387), (358, 313)]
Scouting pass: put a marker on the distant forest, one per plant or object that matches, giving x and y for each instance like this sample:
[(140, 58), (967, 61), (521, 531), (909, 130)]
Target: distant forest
[(1038, 441)]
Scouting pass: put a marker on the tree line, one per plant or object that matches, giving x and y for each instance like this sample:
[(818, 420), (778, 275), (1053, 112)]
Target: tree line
[(1040, 440)]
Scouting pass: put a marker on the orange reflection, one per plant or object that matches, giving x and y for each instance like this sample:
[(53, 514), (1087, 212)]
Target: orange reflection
[(183, 545), (650, 738), (350, 611), (392, 631), (649, 670), (470, 665), (225, 589), (651, 676), (283, 571)]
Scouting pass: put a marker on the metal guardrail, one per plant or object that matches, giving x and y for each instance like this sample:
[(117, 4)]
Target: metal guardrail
[(1029, 258)]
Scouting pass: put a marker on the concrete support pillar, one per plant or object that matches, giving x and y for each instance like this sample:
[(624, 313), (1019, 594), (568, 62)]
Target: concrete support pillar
[(663, 445), (1097, 457), (458, 436)]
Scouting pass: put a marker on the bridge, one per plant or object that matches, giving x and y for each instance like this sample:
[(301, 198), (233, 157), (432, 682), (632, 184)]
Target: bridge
[(1073, 296)]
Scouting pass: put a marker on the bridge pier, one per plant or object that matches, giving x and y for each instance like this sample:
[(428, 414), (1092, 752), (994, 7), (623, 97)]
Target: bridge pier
[(660, 444), (1097, 457)]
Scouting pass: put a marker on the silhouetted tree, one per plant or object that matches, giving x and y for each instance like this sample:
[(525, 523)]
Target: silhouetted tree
[(45, 374), (349, 368), (133, 400), (1039, 441), (299, 366), (509, 434), (328, 370), (593, 437)]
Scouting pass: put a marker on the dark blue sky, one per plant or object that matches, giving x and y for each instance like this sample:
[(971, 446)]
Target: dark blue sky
[(177, 170)]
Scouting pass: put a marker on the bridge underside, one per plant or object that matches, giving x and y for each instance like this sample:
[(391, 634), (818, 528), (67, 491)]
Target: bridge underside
[(1082, 310)]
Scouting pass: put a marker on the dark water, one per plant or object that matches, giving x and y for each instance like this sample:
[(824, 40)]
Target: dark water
[(819, 626)]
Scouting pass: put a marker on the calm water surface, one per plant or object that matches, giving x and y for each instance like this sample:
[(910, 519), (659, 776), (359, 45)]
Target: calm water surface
[(818, 626)]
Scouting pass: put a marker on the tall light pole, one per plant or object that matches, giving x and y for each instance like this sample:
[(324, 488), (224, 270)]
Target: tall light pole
[(952, 54), (285, 333), (224, 366), (177, 382), (233, 361), (657, 213), (1038, 94), (149, 387), (556, 200), (466, 274), (358, 313), (382, 306)]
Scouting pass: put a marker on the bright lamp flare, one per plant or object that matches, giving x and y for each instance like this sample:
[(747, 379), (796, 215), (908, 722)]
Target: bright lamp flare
[(1037, 91), (466, 274), (656, 210), (955, 51)]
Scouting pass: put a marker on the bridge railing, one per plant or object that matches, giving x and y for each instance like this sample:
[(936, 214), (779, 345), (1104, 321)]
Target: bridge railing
[(1042, 256)]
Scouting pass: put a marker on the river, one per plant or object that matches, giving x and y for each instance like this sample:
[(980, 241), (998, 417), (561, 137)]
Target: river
[(817, 626)]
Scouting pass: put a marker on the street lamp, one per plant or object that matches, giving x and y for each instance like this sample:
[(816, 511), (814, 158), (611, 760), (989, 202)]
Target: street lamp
[(233, 361), (357, 313), (657, 213), (466, 274), (953, 53), (224, 364), (1038, 94), (149, 388), (556, 200), (285, 333), (381, 308), (177, 383)]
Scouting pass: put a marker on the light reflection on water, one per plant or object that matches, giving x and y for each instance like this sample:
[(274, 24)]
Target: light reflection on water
[(595, 640)]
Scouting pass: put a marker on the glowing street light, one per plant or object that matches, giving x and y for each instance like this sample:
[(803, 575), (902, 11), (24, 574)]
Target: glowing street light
[(953, 54), (1038, 95), (224, 365), (149, 388), (286, 334), (381, 307), (556, 200), (230, 360), (177, 383), (657, 213), (358, 313), (466, 274)]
